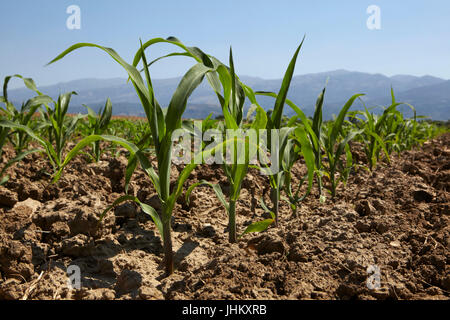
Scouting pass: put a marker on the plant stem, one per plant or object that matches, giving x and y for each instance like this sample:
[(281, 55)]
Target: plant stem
[(97, 151), (333, 188), (275, 198), (168, 253), (319, 182), (333, 180), (232, 222)]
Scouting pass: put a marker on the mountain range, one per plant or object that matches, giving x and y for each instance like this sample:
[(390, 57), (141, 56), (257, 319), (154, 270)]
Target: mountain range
[(429, 95)]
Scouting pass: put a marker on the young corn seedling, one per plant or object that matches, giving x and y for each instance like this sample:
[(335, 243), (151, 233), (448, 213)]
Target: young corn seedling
[(301, 142), (335, 145), (413, 133), (377, 130), (18, 138), (21, 124), (274, 123), (304, 140), (399, 132), (309, 135), (10, 113), (97, 125), (161, 124), (60, 127), (298, 145), (232, 102), (322, 139), (54, 121), (57, 126), (24, 115)]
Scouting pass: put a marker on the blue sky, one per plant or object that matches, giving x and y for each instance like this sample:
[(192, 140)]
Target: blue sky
[(414, 36)]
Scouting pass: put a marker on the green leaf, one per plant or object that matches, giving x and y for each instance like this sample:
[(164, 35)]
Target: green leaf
[(282, 94), (265, 208), (106, 115), (180, 182), (173, 54), (154, 215), (308, 154), (258, 226), (91, 113), (48, 147), (300, 113), (317, 119), (29, 83), (337, 126), (194, 52), (133, 73), (131, 166), (187, 85), (133, 149), (381, 143), (260, 121)]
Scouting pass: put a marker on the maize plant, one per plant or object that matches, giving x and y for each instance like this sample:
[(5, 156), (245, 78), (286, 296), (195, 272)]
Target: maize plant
[(161, 124), (377, 131), (97, 125), (298, 145), (326, 140), (230, 92), (136, 131), (60, 127), (417, 132), (274, 123), (232, 102), (309, 134), (335, 144), (53, 131), (18, 138)]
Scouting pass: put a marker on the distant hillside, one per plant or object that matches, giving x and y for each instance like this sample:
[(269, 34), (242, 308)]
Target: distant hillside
[(429, 95), (433, 100)]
